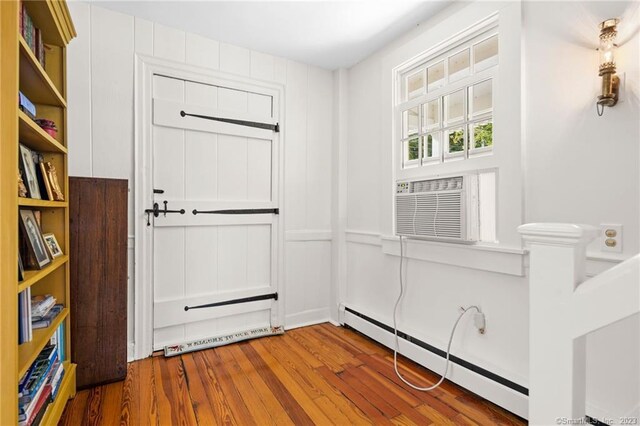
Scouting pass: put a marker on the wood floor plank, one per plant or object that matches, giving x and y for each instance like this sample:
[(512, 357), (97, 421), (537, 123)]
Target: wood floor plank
[(329, 360), (211, 361), (205, 414), (333, 346), (93, 408), (316, 382), (276, 373), (390, 397), (363, 343), (320, 374), (111, 407), (301, 351), (251, 398), (174, 401), (390, 386), (354, 396), (212, 388), (273, 406), (371, 394), (74, 412)]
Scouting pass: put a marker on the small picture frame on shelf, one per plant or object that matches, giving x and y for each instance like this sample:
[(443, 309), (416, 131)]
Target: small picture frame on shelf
[(45, 180), (33, 235), (52, 178), (52, 245), (29, 170)]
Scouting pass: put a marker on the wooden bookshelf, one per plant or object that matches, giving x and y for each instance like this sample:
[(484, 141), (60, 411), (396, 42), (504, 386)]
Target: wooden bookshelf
[(45, 86)]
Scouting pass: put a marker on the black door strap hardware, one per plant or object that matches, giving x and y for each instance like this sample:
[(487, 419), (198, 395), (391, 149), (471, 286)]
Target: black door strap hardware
[(273, 296), (266, 126), (237, 211), (156, 211)]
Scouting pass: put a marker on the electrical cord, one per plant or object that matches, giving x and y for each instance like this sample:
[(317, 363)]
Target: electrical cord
[(395, 332)]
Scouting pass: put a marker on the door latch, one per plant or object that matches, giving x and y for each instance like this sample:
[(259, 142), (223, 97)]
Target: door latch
[(156, 211)]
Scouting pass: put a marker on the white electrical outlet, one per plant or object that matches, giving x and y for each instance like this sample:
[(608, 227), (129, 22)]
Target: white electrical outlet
[(611, 238)]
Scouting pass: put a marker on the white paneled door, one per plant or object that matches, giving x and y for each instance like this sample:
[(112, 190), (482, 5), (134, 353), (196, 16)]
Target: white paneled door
[(200, 166)]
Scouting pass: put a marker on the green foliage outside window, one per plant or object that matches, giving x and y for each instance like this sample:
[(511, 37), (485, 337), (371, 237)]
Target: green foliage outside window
[(483, 135), (429, 146), (456, 141), (414, 149)]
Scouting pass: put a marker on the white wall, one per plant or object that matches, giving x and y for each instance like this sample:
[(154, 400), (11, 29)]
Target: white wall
[(584, 168), (576, 167), (101, 140)]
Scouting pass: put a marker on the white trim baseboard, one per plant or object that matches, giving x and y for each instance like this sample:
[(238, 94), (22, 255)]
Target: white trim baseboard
[(306, 318)]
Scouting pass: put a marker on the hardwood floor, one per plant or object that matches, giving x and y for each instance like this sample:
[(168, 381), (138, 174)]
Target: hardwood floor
[(313, 375)]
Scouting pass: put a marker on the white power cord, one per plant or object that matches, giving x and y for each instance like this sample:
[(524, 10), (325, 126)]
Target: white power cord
[(395, 331)]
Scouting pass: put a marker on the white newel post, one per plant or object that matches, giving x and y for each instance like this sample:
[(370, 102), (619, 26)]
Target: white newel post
[(556, 360)]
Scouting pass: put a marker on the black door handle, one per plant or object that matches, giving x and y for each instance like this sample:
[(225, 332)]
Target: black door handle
[(156, 211)]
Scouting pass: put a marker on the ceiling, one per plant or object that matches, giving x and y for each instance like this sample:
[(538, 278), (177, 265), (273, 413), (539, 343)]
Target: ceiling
[(328, 34)]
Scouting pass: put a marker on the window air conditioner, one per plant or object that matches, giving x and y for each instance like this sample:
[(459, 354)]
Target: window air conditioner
[(438, 209)]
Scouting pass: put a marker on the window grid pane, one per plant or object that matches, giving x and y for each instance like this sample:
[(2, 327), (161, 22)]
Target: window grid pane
[(454, 125), (431, 115)]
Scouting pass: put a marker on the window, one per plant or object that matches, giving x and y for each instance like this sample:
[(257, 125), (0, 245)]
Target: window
[(446, 104)]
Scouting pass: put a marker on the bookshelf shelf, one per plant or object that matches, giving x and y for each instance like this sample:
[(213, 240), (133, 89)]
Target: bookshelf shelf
[(35, 138), (28, 351), (32, 277), (57, 407), (42, 204), (34, 80)]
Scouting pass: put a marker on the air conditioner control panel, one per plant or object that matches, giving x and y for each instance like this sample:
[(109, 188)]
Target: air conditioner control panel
[(402, 187)]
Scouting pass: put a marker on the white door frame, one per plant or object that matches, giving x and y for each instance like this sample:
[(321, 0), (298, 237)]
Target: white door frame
[(145, 68)]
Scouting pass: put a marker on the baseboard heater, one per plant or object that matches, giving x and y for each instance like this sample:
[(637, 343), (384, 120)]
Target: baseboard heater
[(461, 362)]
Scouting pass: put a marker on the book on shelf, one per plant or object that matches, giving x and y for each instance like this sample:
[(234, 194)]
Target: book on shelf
[(36, 374), (25, 330), (58, 340), (41, 305), (32, 35), (26, 106), (46, 320), (34, 417)]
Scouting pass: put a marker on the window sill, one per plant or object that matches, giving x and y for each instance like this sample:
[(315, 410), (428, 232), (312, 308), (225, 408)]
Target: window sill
[(485, 257)]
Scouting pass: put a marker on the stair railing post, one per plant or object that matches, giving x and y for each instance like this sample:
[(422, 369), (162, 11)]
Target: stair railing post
[(557, 256)]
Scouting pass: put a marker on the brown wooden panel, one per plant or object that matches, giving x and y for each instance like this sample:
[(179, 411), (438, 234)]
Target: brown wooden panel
[(98, 240)]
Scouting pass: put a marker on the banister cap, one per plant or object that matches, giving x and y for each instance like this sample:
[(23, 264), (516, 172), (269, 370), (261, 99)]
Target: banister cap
[(557, 233)]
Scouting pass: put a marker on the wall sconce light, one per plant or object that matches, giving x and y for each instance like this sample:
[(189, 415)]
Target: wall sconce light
[(610, 81)]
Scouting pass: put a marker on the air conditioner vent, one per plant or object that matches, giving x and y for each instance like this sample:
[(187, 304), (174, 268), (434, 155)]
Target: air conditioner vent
[(437, 209), (436, 184)]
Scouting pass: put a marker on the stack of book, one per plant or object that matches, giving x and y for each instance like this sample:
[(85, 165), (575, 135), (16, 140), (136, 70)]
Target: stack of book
[(39, 386), (44, 321), (25, 331), (31, 34)]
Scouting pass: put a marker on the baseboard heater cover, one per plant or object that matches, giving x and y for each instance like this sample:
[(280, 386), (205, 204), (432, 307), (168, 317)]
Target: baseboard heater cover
[(213, 342), (466, 364)]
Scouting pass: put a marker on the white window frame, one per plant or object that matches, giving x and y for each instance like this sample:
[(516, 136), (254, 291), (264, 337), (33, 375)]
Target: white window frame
[(442, 53)]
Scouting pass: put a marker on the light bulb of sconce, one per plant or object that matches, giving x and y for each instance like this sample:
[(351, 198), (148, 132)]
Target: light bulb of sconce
[(607, 48)]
